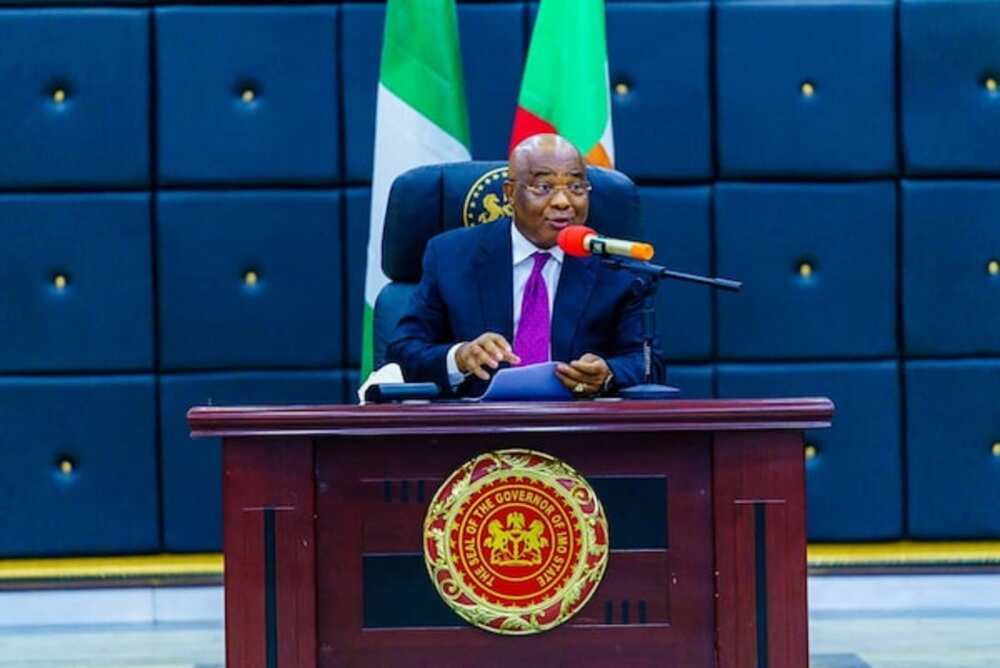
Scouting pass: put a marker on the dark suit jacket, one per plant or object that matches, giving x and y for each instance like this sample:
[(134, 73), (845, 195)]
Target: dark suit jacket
[(467, 289)]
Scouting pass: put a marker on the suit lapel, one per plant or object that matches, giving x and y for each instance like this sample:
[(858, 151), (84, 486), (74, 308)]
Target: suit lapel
[(496, 280), (576, 281)]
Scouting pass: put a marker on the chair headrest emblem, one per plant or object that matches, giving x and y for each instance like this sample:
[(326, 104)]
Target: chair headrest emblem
[(486, 202)]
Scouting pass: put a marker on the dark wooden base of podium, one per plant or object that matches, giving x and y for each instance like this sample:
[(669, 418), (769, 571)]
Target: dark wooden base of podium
[(324, 510)]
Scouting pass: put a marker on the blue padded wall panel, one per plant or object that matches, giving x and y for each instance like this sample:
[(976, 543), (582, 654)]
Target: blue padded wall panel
[(44, 3), (658, 56), (191, 469), (845, 233), (951, 119), (677, 222), (767, 125), (492, 73), (360, 55), (106, 503), (102, 317), (951, 300), (352, 381), (208, 133), (96, 134), (211, 317), (457, 2), (952, 424), (693, 381), (357, 211), (493, 45), (854, 485)]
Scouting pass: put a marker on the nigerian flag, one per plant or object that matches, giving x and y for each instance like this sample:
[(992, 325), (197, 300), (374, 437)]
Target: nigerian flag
[(565, 88), (421, 116)]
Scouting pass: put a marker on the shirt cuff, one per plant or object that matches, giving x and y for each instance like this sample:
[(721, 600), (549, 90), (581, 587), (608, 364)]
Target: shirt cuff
[(455, 377)]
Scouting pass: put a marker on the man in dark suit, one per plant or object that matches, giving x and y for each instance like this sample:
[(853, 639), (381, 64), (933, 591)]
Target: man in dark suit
[(486, 286)]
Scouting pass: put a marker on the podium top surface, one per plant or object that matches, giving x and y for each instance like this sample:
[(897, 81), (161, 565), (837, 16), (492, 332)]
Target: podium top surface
[(472, 418)]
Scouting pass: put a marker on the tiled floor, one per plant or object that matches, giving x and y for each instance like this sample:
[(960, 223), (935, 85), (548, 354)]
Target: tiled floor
[(925, 639), (905, 622), (165, 645), (854, 622)]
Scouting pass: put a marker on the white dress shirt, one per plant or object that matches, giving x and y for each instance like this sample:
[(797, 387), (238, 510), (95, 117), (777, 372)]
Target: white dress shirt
[(522, 250)]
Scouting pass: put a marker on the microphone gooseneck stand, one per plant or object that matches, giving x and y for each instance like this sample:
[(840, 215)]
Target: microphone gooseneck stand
[(648, 276)]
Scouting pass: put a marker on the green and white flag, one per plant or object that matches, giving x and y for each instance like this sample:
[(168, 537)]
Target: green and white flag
[(421, 116)]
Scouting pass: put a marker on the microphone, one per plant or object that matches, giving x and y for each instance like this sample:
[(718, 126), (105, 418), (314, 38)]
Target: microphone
[(581, 241)]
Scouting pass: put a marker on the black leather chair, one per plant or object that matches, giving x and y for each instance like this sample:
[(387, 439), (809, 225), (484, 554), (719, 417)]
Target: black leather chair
[(428, 200)]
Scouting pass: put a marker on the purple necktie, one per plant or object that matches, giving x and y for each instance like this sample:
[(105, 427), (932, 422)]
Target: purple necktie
[(531, 343)]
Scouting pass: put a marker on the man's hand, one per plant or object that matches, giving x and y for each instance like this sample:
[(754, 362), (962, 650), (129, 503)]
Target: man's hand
[(487, 350), (585, 376)]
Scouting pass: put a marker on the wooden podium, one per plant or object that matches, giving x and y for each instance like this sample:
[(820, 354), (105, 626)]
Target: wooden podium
[(324, 509)]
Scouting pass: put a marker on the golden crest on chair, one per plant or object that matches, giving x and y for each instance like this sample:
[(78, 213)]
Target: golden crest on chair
[(486, 202)]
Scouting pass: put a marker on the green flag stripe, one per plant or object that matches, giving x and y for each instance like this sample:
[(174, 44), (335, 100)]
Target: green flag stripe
[(367, 343), (422, 65), (565, 74)]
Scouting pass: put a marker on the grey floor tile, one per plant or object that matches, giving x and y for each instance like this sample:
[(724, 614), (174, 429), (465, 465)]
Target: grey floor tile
[(846, 629), (135, 646), (911, 640), (836, 661)]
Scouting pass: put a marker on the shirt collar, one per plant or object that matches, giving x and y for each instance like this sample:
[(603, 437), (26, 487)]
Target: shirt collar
[(523, 249)]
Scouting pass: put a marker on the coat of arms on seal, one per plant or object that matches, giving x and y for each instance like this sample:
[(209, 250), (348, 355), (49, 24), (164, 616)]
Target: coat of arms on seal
[(515, 542), (486, 202)]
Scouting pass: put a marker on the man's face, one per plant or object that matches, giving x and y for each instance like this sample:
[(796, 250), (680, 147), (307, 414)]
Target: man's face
[(549, 190)]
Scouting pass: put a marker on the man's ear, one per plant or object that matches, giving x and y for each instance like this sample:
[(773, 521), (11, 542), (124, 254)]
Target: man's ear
[(508, 190)]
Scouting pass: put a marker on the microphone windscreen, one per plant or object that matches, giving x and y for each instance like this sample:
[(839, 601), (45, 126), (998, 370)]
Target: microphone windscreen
[(571, 240)]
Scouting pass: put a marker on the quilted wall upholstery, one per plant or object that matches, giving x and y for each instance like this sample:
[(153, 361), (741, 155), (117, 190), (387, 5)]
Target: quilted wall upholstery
[(184, 194)]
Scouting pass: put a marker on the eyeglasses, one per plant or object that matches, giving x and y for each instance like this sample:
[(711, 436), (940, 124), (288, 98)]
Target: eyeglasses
[(545, 190)]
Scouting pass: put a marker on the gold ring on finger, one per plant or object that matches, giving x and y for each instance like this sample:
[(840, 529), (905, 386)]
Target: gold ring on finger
[(579, 387)]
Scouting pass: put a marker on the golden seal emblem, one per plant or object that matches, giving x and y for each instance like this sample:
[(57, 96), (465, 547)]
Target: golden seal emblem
[(515, 542), (486, 202)]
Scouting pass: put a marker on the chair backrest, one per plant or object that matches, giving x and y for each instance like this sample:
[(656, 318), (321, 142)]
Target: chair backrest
[(428, 200)]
